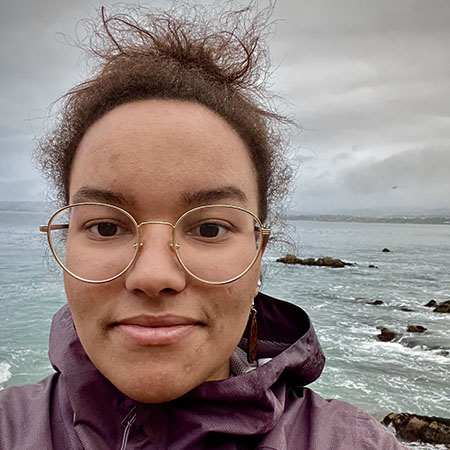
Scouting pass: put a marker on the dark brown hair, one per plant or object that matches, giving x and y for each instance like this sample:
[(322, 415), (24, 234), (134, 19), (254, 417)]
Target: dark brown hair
[(216, 58)]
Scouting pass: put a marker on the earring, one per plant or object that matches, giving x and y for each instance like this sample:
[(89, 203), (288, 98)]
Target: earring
[(252, 341), (259, 283)]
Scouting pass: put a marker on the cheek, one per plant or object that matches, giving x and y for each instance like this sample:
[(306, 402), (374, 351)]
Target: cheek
[(232, 310), (85, 302)]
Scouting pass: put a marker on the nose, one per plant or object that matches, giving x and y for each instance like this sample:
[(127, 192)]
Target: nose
[(156, 270)]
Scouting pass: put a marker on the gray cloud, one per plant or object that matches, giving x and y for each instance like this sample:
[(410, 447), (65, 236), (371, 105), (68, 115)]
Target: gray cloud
[(369, 81), (418, 170), (401, 181)]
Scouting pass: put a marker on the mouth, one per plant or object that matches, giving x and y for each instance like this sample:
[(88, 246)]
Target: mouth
[(156, 330)]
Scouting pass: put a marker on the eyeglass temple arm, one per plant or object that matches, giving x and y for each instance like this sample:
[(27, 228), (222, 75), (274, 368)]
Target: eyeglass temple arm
[(45, 228), (265, 235)]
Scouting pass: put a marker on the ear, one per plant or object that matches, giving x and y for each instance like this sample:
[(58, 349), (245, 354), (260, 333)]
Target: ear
[(258, 285)]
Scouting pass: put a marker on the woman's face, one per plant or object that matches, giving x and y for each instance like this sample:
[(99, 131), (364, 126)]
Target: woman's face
[(157, 159)]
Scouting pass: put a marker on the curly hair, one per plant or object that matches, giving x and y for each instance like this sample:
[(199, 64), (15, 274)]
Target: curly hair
[(199, 54)]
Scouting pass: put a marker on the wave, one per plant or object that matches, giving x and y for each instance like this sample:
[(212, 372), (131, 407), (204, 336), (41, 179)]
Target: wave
[(5, 373)]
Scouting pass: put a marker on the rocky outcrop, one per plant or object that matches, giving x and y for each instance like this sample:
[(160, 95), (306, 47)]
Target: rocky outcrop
[(376, 302), (443, 307), (386, 250), (431, 304), (386, 335), (416, 329), (412, 427), (325, 261)]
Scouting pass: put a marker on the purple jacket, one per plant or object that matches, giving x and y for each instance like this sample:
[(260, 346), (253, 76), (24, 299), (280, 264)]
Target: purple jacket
[(264, 408)]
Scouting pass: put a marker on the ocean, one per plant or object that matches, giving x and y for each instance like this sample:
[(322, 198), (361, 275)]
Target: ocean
[(409, 374)]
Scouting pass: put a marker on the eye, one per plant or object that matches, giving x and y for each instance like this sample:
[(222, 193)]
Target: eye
[(211, 230), (106, 229), (207, 230)]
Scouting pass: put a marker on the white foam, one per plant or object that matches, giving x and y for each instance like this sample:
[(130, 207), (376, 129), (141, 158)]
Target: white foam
[(5, 373), (422, 446)]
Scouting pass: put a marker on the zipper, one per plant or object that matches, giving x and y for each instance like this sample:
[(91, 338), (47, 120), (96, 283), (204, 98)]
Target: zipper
[(130, 419)]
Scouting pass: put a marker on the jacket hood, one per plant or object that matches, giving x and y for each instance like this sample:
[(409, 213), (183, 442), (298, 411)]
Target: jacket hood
[(249, 403)]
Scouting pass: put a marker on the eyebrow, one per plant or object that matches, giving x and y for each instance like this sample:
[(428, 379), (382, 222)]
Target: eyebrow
[(206, 196), (86, 193), (194, 198)]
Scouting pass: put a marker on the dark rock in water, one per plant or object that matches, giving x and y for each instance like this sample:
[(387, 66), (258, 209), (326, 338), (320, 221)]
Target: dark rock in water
[(325, 261), (431, 303), (372, 266), (386, 335), (307, 262), (386, 250), (289, 259), (376, 302), (443, 353), (406, 309), (416, 329), (412, 427), (443, 307)]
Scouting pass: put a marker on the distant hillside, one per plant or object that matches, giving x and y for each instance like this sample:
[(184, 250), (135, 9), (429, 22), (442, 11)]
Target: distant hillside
[(22, 206), (429, 220)]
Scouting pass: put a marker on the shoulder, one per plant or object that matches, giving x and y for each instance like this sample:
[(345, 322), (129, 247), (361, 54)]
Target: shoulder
[(349, 426), (25, 411), (321, 424)]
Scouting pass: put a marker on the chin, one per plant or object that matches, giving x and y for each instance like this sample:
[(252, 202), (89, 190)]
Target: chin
[(153, 393)]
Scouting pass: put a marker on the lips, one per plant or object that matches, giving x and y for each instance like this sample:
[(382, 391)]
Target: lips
[(157, 330)]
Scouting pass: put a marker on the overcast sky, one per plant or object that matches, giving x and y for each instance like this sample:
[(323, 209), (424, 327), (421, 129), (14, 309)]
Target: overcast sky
[(369, 80)]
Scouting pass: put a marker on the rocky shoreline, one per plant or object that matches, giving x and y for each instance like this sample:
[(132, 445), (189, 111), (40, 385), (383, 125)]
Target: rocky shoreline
[(325, 261), (416, 428), (408, 427)]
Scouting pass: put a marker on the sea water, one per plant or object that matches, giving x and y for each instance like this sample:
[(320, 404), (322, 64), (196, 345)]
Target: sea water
[(409, 374)]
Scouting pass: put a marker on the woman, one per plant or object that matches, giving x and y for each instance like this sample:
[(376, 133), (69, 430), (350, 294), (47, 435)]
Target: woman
[(167, 163)]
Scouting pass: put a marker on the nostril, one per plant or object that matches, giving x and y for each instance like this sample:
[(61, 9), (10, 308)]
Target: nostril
[(168, 291)]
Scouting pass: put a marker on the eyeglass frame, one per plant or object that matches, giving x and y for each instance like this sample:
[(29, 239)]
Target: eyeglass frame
[(264, 237)]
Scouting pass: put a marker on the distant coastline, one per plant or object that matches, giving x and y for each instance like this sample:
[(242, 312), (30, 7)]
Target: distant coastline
[(33, 206), (23, 206), (423, 220)]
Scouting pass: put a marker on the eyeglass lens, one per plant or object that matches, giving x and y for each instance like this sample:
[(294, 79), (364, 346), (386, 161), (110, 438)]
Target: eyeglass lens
[(98, 242)]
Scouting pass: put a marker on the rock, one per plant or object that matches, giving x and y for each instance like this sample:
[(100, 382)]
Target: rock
[(307, 262), (330, 262), (406, 309), (412, 427), (443, 353), (289, 259), (431, 303), (386, 335), (372, 266), (376, 302), (416, 329), (386, 250), (443, 307), (325, 261)]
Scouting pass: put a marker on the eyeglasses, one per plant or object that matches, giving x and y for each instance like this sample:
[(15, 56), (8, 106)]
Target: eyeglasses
[(97, 242)]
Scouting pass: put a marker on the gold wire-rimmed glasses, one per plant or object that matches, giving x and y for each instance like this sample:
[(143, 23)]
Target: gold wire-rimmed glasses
[(98, 242)]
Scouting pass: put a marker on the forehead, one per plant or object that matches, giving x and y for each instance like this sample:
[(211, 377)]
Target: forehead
[(155, 151)]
